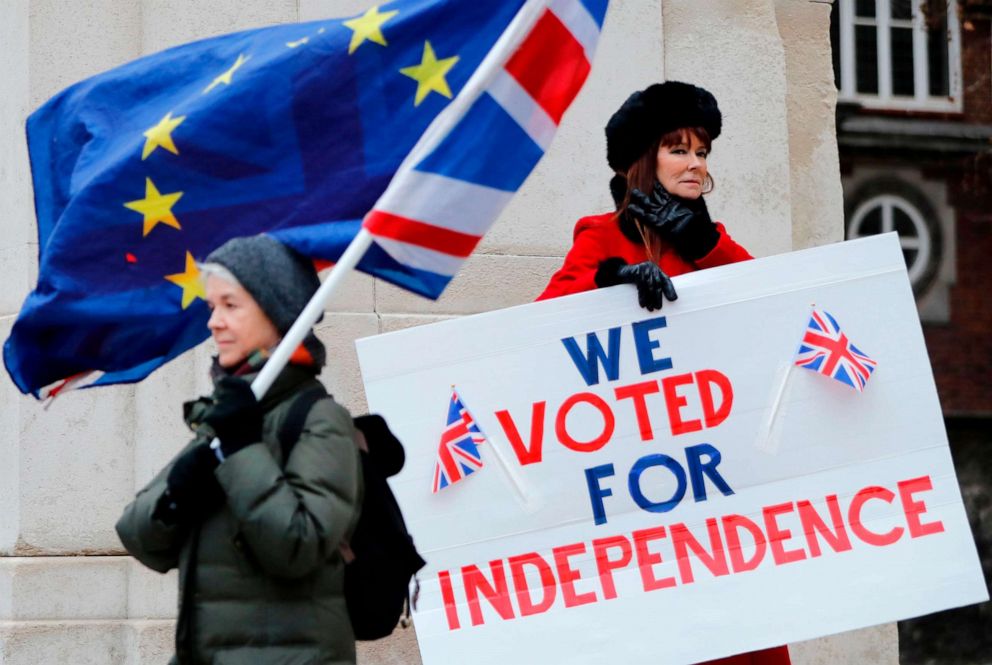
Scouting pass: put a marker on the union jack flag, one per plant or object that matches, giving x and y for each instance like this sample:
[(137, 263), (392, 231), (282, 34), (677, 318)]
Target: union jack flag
[(458, 453), (827, 350), (455, 184)]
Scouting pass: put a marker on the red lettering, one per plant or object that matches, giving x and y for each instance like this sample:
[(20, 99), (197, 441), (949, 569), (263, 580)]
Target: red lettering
[(567, 575), (683, 541), (448, 596), (777, 535), (526, 454), (675, 402), (859, 529), (646, 559), (522, 590), (706, 379), (914, 509), (606, 566), (496, 593), (597, 402), (637, 392), (731, 524), (837, 539)]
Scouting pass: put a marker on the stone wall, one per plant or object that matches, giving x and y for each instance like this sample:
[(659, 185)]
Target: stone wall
[(67, 592)]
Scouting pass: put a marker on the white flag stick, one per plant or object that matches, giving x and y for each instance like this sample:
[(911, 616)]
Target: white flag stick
[(764, 436), (503, 463), (764, 439)]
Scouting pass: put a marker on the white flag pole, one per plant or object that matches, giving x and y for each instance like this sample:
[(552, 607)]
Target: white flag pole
[(764, 441)]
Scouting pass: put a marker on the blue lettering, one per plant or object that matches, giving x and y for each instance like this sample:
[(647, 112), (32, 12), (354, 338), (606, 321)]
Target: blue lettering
[(634, 483), (646, 345), (697, 468), (588, 364), (596, 492)]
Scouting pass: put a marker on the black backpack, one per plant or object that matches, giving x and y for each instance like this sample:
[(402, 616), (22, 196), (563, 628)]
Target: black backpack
[(377, 580)]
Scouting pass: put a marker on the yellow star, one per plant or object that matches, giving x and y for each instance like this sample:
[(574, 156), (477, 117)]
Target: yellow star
[(225, 78), (160, 136), (429, 74), (156, 207), (190, 282), (368, 26), (298, 42)]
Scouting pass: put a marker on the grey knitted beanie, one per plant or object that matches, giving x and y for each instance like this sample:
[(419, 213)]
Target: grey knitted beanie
[(279, 279)]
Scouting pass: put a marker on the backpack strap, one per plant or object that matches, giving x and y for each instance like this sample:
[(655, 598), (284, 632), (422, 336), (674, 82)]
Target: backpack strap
[(292, 426)]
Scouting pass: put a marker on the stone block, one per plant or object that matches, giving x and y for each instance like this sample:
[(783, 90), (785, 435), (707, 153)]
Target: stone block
[(76, 465), (75, 40), (744, 68), (878, 645), (356, 294), (817, 196), (76, 642), (400, 648), (393, 322), (16, 224), (151, 595), (166, 23), (342, 375), (149, 642), (11, 402), (159, 429), (486, 282), (315, 10), (55, 588)]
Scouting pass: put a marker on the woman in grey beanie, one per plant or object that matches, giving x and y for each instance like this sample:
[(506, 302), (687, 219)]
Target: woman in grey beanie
[(257, 538)]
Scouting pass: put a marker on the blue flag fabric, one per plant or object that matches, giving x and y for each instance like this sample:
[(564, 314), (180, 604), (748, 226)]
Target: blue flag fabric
[(294, 130)]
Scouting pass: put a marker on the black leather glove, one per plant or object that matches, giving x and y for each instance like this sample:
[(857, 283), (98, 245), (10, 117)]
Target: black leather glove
[(684, 223), (236, 416), (653, 285), (192, 489)]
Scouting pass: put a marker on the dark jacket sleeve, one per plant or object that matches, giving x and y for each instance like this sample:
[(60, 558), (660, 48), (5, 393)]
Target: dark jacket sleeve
[(590, 245), (293, 519), (149, 540)]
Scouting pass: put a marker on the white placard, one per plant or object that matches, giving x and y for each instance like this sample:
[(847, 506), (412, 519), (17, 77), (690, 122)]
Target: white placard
[(715, 536)]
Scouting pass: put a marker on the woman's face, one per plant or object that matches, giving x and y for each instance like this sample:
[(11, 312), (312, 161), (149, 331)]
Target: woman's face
[(681, 168), (237, 323)]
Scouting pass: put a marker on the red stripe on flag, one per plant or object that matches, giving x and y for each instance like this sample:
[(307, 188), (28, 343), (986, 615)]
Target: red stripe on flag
[(437, 238), (550, 65)]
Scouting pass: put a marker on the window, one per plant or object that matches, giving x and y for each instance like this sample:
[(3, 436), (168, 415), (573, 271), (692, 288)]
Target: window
[(890, 205), (899, 54)]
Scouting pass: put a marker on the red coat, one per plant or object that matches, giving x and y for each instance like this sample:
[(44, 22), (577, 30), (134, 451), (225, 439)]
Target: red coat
[(598, 238)]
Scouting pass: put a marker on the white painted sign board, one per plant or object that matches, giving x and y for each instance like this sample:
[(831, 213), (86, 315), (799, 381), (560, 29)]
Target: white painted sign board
[(644, 513)]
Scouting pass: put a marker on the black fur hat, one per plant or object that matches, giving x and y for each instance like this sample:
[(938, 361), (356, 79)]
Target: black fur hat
[(651, 113)]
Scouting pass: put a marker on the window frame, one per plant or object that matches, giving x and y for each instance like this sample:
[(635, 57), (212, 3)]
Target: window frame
[(922, 100)]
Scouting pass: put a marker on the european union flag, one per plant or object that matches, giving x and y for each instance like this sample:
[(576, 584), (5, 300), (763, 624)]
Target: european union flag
[(294, 130)]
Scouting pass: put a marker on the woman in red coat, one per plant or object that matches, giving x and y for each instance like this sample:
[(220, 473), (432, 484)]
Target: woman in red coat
[(657, 143)]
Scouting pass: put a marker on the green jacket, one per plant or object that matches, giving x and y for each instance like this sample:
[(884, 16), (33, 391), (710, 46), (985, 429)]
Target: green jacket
[(261, 580)]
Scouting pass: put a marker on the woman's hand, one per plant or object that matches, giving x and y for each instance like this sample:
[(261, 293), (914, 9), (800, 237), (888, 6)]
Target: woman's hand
[(686, 225), (236, 416), (653, 285)]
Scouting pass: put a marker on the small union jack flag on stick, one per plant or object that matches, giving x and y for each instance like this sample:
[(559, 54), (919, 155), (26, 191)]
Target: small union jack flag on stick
[(827, 350), (458, 452)]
